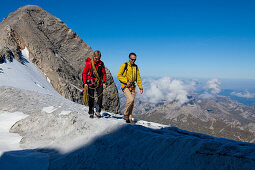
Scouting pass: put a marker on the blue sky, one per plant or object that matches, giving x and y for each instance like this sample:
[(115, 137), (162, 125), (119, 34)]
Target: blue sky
[(176, 38)]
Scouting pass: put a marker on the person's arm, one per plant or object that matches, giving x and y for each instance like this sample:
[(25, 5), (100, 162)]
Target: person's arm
[(104, 75), (138, 81), (120, 76), (85, 72)]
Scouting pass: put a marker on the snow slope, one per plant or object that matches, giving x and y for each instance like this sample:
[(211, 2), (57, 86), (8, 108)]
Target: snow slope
[(58, 134), (25, 76)]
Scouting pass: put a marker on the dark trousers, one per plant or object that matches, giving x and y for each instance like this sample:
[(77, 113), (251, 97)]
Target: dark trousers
[(99, 99)]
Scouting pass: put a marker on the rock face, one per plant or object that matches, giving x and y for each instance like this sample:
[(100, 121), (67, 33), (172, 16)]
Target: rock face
[(56, 50)]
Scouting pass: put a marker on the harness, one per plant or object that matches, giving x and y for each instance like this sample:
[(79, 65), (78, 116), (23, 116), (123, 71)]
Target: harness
[(91, 83), (94, 83), (133, 83)]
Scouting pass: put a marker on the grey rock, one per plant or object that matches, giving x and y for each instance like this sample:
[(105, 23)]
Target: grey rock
[(219, 116), (56, 50)]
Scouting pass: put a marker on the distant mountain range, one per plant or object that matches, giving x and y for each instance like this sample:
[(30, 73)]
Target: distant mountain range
[(219, 116), (227, 91), (246, 101)]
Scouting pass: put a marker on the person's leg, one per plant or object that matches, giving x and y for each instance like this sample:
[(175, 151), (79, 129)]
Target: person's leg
[(99, 100), (91, 102), (130, 101), (131, 106)]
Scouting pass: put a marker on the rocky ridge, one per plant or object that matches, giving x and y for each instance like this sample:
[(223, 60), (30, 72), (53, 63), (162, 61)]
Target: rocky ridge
[(55, 49)]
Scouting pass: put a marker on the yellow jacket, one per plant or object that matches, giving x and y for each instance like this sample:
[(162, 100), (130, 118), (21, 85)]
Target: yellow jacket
[(129, 75)]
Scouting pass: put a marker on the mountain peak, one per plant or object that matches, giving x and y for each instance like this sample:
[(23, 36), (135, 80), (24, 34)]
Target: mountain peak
[(24, 10), (29, 8), (55, 49)]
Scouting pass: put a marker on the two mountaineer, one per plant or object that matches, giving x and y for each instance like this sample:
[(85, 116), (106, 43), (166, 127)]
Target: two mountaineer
[(94, 79)]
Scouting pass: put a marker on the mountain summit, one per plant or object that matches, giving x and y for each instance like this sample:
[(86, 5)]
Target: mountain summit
[(55, 49)]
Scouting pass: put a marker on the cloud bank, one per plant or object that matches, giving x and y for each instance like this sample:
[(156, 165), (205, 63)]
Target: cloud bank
[(245, 94), (212, 88), (165, 89)]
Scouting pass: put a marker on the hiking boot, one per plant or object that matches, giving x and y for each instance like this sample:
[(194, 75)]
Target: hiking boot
[(98, 114), (132, 122), (91, 116), (125, 117)]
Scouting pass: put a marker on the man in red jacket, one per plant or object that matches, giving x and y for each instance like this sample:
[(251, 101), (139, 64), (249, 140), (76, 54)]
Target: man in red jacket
[(95, 77)]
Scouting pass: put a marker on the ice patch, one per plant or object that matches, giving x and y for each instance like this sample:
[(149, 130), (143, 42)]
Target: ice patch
[(64, 112), (25, 53), (150, 124), (49, 109), (48, 79), (9, 141)]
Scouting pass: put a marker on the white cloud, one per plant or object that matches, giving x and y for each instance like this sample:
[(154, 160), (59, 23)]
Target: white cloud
[(245, 94), (206, 95), (165, 89), (213, 85)]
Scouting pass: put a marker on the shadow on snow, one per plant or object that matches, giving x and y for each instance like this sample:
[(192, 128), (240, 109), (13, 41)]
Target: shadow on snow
[(138, 147)]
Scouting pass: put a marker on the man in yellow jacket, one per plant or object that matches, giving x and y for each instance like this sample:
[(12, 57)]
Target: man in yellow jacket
[(127, 75)]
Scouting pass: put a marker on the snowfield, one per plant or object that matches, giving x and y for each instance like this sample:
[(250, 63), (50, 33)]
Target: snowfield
[(39, 129), (9, 141)]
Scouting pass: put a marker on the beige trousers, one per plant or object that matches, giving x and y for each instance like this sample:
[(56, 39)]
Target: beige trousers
[(130, 95)]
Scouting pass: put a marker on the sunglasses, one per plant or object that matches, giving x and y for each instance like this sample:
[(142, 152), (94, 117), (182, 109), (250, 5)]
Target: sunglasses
[(132, 59)]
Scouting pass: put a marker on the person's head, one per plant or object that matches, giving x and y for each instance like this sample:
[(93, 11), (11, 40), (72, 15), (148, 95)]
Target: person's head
[(97, 55), (132, 58)]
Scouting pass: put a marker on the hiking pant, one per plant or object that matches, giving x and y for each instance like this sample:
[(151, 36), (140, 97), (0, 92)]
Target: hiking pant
[(130, 95), (99, 99)]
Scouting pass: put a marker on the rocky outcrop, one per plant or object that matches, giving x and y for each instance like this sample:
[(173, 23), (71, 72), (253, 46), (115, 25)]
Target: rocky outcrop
[(56, 50)]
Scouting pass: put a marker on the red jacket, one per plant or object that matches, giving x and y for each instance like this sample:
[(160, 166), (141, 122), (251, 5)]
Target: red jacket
[(87, 72)]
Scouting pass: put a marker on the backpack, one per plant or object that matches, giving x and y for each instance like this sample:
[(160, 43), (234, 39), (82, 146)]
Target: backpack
[(126, 64)]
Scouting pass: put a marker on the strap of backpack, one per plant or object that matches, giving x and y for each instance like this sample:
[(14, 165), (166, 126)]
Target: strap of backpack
[(123, 73), (136, 73), (125, 68), (126, 64)]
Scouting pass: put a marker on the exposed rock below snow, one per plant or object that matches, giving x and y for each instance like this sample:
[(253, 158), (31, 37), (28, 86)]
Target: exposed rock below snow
[(56, 50)]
